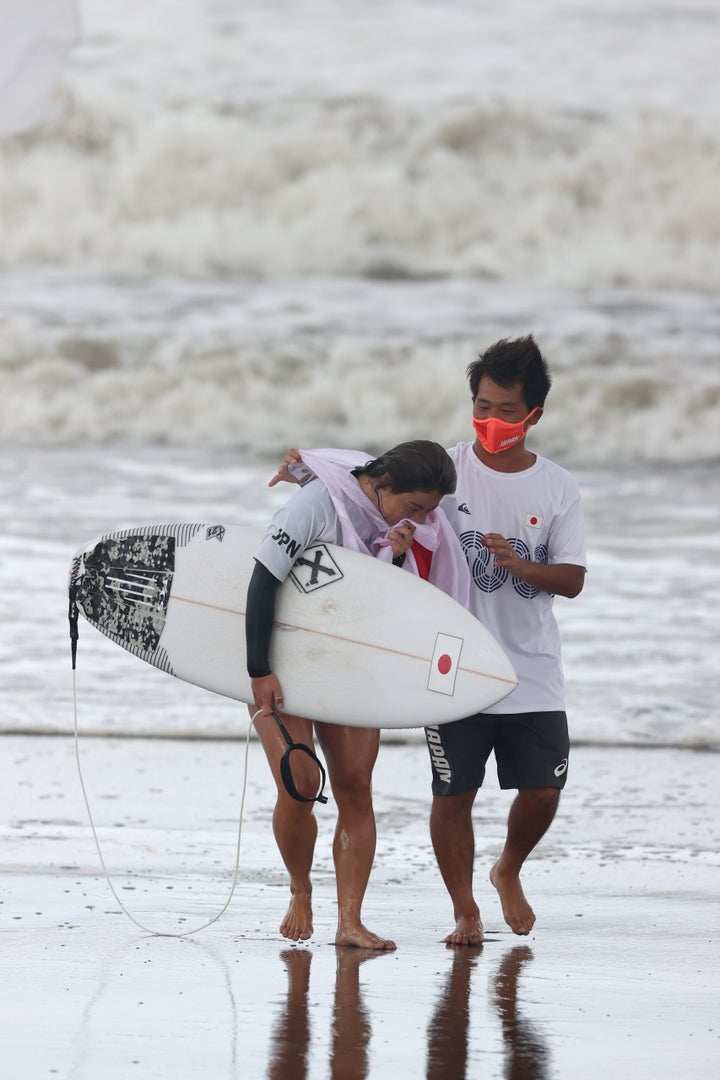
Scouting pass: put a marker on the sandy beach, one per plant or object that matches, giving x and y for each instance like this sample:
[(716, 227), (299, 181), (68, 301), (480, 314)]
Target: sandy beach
[(619, 977)]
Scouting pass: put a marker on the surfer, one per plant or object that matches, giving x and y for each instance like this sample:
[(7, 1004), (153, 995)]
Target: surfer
[(386, 507)]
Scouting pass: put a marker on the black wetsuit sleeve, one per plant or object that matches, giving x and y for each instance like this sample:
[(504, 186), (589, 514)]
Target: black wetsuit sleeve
[(259, 618)]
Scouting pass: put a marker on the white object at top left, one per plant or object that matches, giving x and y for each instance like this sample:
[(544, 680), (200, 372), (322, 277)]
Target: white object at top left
[(35, 38)]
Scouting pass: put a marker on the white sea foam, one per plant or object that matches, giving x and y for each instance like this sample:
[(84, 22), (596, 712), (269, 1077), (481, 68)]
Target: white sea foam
[(262, 222), (349, 362), (370, 187), (210, 139)]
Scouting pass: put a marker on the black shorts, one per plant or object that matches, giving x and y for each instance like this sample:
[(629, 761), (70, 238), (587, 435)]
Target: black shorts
[(531, 751)]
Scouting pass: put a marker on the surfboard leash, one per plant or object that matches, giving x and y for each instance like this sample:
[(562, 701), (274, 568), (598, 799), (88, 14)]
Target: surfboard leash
[(73, 617), (286, 768)]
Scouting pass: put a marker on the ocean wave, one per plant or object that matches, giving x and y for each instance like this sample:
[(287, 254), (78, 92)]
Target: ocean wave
[(636, 378), (365, 186)]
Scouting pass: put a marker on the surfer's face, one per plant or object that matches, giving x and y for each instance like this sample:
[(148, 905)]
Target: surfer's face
[(414, 505)]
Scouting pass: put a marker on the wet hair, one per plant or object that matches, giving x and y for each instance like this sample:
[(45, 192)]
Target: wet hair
[(512, 361), (418, 465)]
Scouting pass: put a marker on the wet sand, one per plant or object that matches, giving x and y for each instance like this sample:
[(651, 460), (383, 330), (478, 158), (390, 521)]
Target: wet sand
[(619, 977)]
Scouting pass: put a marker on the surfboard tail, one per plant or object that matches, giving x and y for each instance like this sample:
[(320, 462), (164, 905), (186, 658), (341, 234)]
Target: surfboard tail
[(122, 585)]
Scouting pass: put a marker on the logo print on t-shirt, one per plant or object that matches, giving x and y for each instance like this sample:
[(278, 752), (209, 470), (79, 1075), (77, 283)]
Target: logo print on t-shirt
[(481, 565), (314, 569), (487, 575)]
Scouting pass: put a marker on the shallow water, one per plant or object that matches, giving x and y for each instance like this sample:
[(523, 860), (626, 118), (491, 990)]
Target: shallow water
[(638, 642)]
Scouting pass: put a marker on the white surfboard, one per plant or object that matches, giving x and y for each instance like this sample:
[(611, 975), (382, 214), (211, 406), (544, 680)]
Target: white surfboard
[(356, 641)]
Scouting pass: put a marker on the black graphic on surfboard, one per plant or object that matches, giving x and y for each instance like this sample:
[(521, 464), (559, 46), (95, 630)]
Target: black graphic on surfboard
[(123, 586)]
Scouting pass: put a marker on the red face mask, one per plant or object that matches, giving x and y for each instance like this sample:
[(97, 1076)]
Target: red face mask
[(496, 435)]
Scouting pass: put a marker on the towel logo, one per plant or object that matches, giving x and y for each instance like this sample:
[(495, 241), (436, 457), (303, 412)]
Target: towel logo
[(314, 569)]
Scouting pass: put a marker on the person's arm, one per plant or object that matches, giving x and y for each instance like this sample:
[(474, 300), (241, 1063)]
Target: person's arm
[(307, 517), (259, 618), (562, 579)]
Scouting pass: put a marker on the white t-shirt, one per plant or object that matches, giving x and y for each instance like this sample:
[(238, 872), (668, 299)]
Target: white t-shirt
[(308, 516), (539, 511)]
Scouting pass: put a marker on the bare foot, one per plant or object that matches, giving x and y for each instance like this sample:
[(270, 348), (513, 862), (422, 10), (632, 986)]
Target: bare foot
[(361, 938), (518, 914), (468, 931), (297, 924)]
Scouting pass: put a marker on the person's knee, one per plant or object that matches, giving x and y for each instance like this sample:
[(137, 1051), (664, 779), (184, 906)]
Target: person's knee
[(351, 788), (305, 777), (453, 807), (544, 799)]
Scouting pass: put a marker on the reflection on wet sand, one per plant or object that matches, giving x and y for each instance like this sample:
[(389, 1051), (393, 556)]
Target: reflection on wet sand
[(447, 1037), (351, 1023), (290, 1037), (526, 1052), (527, 1055), (351, 1031)]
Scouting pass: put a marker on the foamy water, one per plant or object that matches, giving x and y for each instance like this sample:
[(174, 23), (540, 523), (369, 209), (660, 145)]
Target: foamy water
[(349, 362), (263, 222), (566, 145), (262, 225)]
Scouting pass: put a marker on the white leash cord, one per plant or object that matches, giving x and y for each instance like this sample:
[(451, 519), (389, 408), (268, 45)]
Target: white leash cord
[(226, 905)]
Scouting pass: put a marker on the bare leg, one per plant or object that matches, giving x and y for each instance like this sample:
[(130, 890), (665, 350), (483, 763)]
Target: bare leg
[(294, 824), (530, 816), (350, 754), (453, 840)]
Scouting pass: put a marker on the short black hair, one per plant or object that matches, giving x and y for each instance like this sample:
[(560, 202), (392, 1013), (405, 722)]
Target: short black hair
[(418, 465), (512, 361)]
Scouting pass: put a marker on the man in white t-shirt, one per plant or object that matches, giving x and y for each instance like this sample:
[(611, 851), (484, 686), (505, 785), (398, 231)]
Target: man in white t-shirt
[(519, 519)]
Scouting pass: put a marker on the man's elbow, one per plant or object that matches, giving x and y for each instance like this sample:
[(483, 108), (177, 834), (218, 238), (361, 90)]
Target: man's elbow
[(575, 582)]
